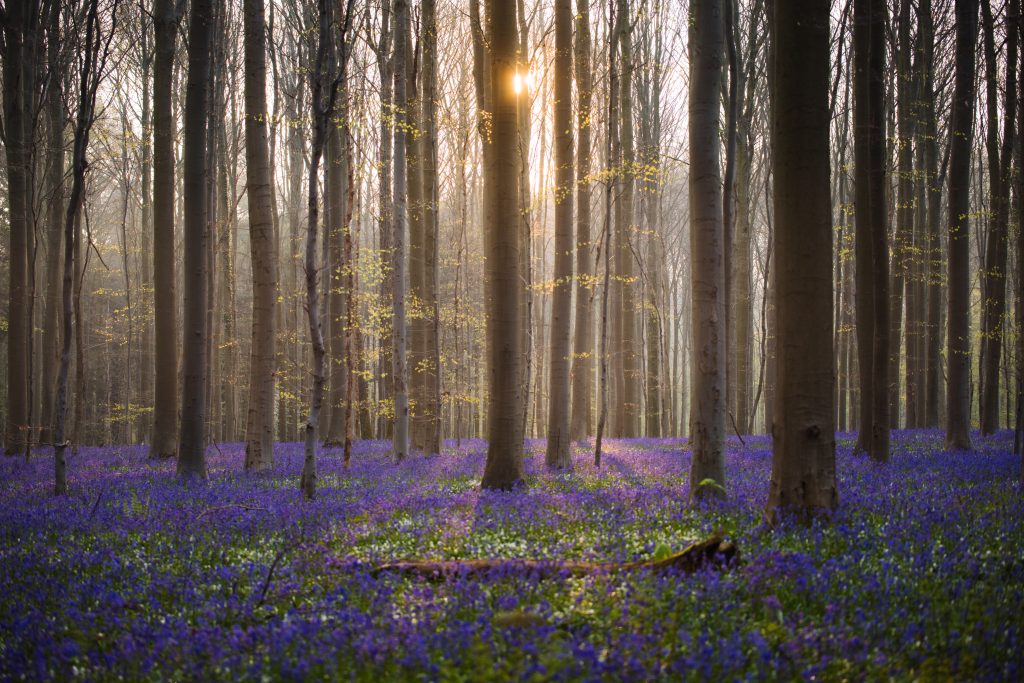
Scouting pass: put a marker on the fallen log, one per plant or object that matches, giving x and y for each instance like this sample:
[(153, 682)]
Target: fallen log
[(712, 551)]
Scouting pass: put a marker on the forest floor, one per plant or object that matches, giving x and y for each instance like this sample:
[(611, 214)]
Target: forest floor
[(133, 576)]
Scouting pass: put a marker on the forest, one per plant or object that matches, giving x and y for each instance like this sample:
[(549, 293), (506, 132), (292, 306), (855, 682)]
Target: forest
[(501, 340)]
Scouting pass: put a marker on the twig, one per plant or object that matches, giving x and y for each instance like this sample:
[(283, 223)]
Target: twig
[(96, 505), (270, 573), (736, 429)]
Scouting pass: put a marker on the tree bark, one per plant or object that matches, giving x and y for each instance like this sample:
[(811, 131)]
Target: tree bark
[(165, 349), (707, 248), (559, 454), (504, 290), (400, 439), (192, 435), (259, 429), (958, 342), (55, 227), (871, 232), (18, 76), (803, 435), (583, 341), (996, 245)]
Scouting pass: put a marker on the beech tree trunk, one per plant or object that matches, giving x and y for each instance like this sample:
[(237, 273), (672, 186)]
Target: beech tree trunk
[(55, 228), (559, 454), (958, 342), (18, 75), (707, 248), (583, 340), (400, 438), (996, 245), (259, 430), (803, 435), (871, 231), (932, 187), (502, 244), (192, 435), (628, 342), (165, 348), (431, 411)]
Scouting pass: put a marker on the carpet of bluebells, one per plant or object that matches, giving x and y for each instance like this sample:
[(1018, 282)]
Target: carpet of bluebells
[(134, 576)]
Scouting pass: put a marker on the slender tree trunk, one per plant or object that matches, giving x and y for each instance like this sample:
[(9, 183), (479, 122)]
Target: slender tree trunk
[(958, 343), (55, 228), (583, 341), (707, 248), (336, 177), (400, 440), (629, 344), (431, 411), (803, 436), (903, 244), (996, 245), (165, 351), (504, 467), (933, 190), (385, 70), (559, 455), (730, 9), (18, 76), (871, 248), (192, 437), (259, 429)]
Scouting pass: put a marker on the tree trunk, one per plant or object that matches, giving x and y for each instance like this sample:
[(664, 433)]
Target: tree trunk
[(559, 455), (335, 227), (55, 228), (583, 341), (165, 350), (871, 233), (996, 245), (430, 411), (933, 190), (625, 259), (18, 75), (192, 437), (707, 248), (400, 439), (259, 429), (903, 244), (958, 342), (504, 291), (385, 71), (803, 436)]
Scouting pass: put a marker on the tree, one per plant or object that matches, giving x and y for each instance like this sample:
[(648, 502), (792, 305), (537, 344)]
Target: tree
[(55, 222), (430, 352), (165, 351), (958, 341), (803, 434), (335, 299), (259, 429), (19, 21), (504, 467), (583, 341), (628, 402), (997, 244), (324, 83), (400, 439), (707, 248), (559, 438), (871, 230), (195, 352), (90, 72)]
